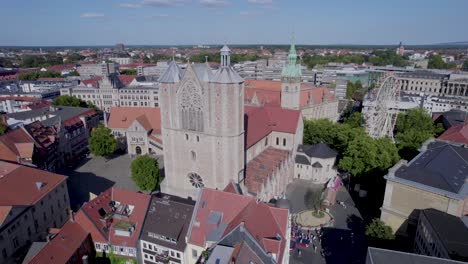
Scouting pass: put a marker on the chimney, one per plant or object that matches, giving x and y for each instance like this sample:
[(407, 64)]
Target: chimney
[(71, 215)]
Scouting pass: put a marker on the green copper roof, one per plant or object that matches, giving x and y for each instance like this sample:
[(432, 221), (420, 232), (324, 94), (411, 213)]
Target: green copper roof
[(292, 69)]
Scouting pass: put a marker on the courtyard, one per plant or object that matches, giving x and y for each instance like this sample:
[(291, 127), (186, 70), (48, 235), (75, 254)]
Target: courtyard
[(343, 242)]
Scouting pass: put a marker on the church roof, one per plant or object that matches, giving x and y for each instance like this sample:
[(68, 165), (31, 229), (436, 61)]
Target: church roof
[(173, 74), (292, 69), (203, 71), (320, 150), (263, 120), (226, 75), (123, 117)]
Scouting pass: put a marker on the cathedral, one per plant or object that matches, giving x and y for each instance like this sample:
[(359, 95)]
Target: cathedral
[(212, 139)]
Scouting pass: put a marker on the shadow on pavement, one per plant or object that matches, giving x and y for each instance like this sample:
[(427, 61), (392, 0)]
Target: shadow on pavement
[(345, 245), (80, 184)]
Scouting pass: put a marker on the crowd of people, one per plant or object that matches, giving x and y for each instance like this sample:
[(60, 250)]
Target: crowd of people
[(304, 238)]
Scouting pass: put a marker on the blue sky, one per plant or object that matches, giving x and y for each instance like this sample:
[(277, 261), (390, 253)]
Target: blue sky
[(176, 22)]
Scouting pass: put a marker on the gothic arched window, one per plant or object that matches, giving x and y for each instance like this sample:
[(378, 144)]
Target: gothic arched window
[(191, 108), (196, 180)]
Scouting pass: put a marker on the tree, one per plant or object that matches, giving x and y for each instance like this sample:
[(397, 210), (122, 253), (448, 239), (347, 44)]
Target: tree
[(412, 129), (145, 173), (67, 100), (102, 142), (360, 156), (32, 76), (74, 73), (3, 128), (128, 72), (354, 120), (378, 230), (465, 66), (313, 199), (436, 62), (350, 90)]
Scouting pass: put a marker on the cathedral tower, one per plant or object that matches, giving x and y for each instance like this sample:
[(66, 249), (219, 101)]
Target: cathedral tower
[(291, 81), (202, 122)]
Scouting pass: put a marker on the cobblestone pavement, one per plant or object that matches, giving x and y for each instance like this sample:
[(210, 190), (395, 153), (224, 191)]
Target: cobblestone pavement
[(97, 174), (342, 243)]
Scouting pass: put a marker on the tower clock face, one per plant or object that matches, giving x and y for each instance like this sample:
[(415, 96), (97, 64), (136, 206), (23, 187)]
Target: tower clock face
[(196, 180)]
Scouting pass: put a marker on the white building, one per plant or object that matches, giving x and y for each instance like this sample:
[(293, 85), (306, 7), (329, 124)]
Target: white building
[(315, 162), (100, 69)]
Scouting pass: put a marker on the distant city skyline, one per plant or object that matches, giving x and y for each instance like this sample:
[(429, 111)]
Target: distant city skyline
[(268, 22)]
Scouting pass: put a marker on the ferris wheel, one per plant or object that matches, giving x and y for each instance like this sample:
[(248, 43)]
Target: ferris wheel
[(381, 107)]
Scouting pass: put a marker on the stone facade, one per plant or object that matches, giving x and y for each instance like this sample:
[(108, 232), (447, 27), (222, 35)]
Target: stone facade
[(202, 128)]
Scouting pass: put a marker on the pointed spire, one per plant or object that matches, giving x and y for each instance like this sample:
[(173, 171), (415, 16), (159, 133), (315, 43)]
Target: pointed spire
[(225, 56), (291, 69)]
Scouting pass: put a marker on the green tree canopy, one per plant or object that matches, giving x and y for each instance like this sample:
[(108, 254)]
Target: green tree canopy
[(74, 73), (32, 76), (102, 142), (379, 230), (74, 58), (31, 61), (412, 129), (67, 100), (3, 128), (436, 62), (355, 120), (128, 72), (387, 57), (145, 173)]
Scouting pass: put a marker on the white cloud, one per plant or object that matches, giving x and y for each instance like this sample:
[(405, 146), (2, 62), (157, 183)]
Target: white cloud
[(159, 16), (214, 3), (164, 3), (129, 5), (93, 15), (261, 2), (250, 13)]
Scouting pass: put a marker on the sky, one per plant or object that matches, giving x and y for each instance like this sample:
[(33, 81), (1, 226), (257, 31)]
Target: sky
[(188, 22)]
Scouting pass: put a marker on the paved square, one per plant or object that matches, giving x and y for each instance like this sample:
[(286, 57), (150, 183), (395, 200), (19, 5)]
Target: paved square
[(97, 174)]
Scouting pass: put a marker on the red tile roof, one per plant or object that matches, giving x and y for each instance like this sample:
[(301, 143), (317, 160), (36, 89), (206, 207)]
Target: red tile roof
[(123, 117), (47, 79), (262, 167), (93, 81), (259, 219), (457, 133), (102, 230), (22, 185), (263, 120), (62, 247), (14, 144), (269, 93), (126, 79)]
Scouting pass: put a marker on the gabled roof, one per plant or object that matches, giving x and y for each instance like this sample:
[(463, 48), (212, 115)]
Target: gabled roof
[(173, 74), (97, 216), (93, 82), (16, 144), (263, 120), (123, 117), (262, 167), (126, 79), (22, 185), (457, 134), (260, 220), (62, 247), (442, 166), (269, 93), (320, 150), (226, 75), (301, 159)]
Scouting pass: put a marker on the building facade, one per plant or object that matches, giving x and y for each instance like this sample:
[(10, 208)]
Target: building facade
[(315, 162), (436, 178), (202, 121), (100, 69), (32, 201)]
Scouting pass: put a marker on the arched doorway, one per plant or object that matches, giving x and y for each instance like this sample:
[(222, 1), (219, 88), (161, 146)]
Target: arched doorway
[(138, 150)]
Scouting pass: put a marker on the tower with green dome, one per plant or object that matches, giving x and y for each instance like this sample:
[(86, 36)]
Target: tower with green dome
[(291, 81)]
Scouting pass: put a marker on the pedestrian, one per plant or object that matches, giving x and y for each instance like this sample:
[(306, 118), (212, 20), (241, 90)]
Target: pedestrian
[(299, 252)]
